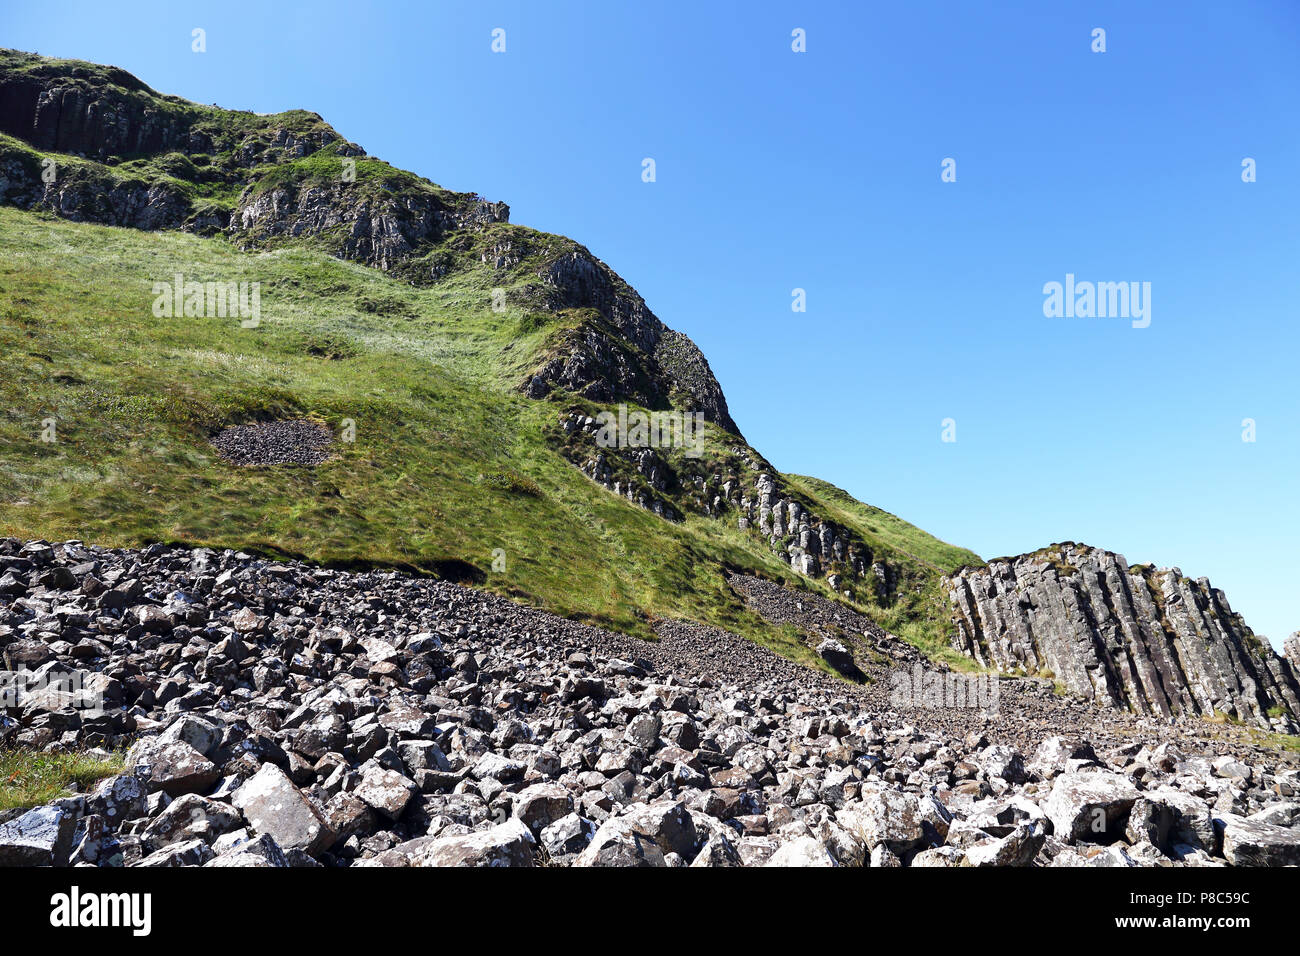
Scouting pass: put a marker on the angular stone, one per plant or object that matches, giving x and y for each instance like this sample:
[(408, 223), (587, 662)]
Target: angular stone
[(387, 791), (803, 851), (507, 844), (567, 836), (191, 817), (1252, 843), (891, 817), (273, 805), (541, 805), (118, 799), (172, 766), (1018, 848), (261, 851), (40, 837), (1090, 806)]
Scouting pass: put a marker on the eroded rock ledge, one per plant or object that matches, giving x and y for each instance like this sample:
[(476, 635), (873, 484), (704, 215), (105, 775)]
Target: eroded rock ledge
[(1138, 637)]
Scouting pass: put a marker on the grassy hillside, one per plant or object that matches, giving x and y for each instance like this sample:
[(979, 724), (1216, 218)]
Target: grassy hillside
[(450, 462)]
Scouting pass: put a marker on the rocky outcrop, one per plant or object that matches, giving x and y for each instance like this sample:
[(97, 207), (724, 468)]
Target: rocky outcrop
[(377, 229), (1150, 640), (92, 111), (740, 486), (627, 352)]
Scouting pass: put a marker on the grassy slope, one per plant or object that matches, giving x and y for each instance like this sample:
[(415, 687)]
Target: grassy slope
[(450, 461), (426, 376)]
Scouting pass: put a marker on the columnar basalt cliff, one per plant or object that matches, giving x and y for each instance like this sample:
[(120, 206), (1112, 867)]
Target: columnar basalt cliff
[(1151, 640)]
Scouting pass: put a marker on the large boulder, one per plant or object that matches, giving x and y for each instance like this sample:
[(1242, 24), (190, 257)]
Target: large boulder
[(1253, 843), (273, 805), (1017, 848), (542, 804), (386, 791), (507, 844), (890, 817), (618, 842), (172, 766), (1090, 806), (40, 837), (802, 851)]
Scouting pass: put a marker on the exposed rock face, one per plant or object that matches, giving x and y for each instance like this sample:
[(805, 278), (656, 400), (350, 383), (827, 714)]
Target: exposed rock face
[(629, 352), (1291, 649), (742, 487), (381, 231), (1146, 639)]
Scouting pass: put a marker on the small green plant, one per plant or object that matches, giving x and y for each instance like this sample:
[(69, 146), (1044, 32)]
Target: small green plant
[(512, 483)]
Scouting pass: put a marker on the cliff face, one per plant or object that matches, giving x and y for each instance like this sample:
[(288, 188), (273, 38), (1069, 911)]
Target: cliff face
[(1150, 640), (125, 155), (736, 484)]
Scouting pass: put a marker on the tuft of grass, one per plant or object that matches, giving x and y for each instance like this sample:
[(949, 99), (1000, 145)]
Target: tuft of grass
[(32, 778)]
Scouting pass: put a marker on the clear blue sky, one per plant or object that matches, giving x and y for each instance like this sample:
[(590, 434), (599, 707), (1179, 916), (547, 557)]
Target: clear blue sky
[(821, 170)]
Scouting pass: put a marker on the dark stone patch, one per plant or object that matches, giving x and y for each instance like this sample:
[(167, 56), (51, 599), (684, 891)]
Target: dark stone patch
[(275, 443)]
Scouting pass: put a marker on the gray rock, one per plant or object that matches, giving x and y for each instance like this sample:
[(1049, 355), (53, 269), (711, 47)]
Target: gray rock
[(1254, 843), (273, 805), (508, 844), (801, 852), (261, 851), (40, 837), (1090, 806), (172, 766), (541, 805)]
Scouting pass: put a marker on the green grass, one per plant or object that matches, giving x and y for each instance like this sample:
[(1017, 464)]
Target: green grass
[(882, 528), (450, 461), (31, 778)]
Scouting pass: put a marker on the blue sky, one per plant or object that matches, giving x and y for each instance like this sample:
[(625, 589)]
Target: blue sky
[(821, 171)]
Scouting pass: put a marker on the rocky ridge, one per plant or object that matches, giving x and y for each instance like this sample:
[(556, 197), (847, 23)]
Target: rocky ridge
[(279, 714), (125, 155), (1126, 636)]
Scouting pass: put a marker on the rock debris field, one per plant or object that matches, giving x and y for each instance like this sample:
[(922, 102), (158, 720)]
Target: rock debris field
[(297, 442), (280, 714)]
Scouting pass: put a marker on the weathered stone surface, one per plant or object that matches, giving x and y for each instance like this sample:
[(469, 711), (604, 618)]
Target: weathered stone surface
[(1017, 848), (542, 804), (1254, 843), (261, 851), (1149, 640), (803, 851), (273, 805), (889, 817), (567, 836), (387, 791), (619, 843), (508, 844), (172, 766), (1090, 806), (40, 837), (191, 817), (118, 799)]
